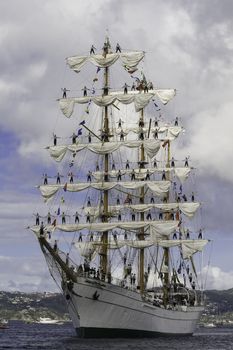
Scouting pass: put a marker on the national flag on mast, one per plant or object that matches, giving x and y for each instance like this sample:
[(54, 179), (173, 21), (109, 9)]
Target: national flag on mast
[(82, 123)]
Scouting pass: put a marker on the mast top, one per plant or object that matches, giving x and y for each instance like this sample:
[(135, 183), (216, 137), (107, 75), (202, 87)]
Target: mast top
[(107, 46)]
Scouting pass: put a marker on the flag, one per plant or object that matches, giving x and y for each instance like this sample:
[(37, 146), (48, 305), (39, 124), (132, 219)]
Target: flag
[(65, 187), (155, 103), (82, 123), (165, 143), (58, 211), (79, 132), (136, 78)]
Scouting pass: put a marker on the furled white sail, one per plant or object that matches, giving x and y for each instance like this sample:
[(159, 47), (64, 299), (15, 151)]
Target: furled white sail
[(48, 192), (188, 249), (180, 173), (167, 132), (169, 243), (129, 60), (162, 228), (139, 244), (140, 100), (58, 152), (158, 187), (157, 228), (188, 208), (86, 249)]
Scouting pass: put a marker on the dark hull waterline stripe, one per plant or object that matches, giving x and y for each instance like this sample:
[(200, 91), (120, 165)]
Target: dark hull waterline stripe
[(89, 332)]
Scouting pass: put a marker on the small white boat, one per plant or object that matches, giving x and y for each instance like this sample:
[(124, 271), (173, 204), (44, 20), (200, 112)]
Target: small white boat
[(3, 324), (209, 325), (47, 320)]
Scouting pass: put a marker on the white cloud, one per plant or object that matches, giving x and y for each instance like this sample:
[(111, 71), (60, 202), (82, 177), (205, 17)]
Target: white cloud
[(217, 278), (211, 141), (25, 274)]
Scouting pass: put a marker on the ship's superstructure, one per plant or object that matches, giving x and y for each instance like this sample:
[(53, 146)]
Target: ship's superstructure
[(125, 258)]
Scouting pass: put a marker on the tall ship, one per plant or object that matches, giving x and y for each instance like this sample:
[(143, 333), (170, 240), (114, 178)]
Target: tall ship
[(121, 230)]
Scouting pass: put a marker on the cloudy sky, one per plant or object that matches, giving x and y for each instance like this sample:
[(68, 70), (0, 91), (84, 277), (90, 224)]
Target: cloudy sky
[(189, 46)]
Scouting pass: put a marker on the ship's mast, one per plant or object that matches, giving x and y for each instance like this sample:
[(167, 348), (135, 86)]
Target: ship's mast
[(141, 235), (166, 250), (105, 132)]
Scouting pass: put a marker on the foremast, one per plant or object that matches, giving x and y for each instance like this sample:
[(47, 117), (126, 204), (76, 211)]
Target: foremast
[(105, 134)]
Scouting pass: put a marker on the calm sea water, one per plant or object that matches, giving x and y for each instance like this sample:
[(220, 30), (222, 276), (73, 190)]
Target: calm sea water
[(62, 337)]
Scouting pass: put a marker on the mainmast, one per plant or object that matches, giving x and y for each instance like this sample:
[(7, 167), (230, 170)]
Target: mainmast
[(141, 235), (105, 137)]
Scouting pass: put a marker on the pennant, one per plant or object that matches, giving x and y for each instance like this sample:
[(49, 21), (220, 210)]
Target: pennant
[(82, 123), (136, 78), (79, 132), (65, 187)]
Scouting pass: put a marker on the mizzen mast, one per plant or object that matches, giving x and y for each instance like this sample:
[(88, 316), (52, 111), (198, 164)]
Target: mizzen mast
[(166, 281), (105, 138)]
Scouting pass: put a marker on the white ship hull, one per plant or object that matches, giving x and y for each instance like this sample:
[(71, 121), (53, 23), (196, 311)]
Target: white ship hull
[(119, 312)]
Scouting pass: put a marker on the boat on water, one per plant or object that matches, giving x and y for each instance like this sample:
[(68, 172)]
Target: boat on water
[(48, 320), (3, 324), (117, 233), (210, 325)]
